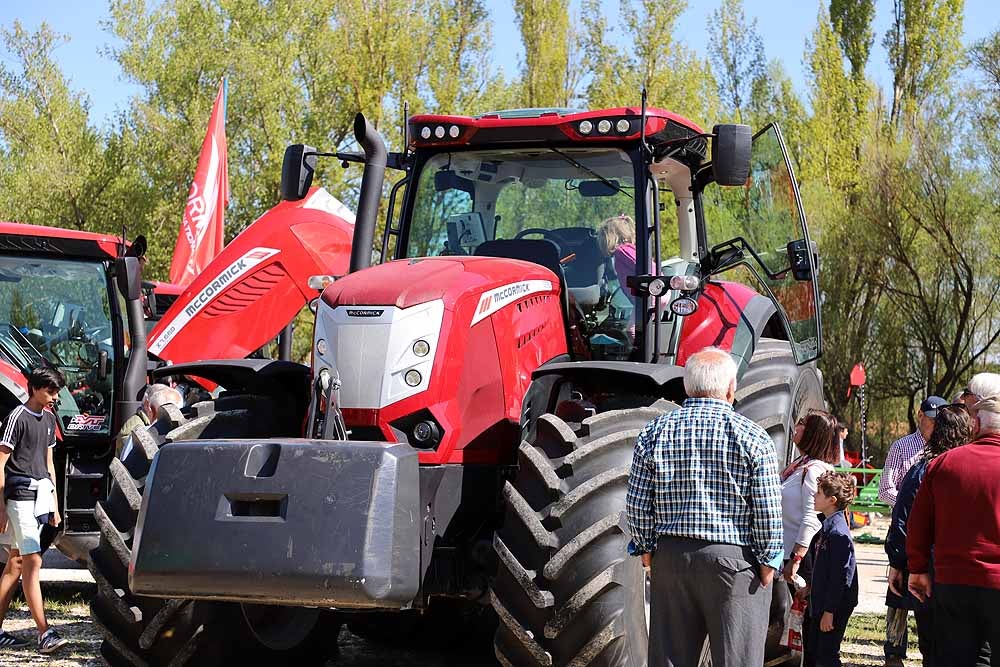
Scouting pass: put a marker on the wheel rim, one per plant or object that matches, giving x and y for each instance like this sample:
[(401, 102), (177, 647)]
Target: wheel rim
[(279, 628)]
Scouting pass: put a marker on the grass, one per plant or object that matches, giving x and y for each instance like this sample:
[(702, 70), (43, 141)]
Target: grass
[(57, 602), (870, 629)]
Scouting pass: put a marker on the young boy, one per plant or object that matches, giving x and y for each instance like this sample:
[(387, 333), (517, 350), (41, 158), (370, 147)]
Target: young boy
[(833, 591), (28, 492)]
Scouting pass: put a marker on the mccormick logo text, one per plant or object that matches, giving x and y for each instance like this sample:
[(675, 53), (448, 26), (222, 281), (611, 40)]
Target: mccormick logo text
[(364, 313), (495, 299), (238, 269)]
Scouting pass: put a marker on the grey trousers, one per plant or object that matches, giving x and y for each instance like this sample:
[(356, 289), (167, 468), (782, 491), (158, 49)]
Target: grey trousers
[(703, 589)]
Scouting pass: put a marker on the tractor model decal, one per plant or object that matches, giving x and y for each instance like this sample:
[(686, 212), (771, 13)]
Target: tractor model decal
[(495, 299), (86, 423), (230, 274)]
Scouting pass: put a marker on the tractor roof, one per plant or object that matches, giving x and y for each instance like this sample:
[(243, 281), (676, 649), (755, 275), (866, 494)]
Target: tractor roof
[(550, 125), (30, 239)]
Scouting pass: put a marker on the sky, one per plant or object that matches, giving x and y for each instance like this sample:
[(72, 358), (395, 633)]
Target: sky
[(783, 25)]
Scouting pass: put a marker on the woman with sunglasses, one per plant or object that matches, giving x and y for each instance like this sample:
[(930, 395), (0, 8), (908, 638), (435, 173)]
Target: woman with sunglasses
[(952, 428)]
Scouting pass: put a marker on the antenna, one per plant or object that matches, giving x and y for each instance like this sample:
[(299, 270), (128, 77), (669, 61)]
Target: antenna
[(121, 250), (406, 127), (642, 130)]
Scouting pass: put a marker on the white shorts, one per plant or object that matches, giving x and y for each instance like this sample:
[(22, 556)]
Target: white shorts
[(23, 526)]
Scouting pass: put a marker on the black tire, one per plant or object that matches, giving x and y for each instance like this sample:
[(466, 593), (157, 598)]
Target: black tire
[(143, 631), (775, 393), (566, 592)]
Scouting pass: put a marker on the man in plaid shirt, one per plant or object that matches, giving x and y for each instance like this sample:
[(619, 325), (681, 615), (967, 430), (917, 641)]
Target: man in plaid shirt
[(704, 510)]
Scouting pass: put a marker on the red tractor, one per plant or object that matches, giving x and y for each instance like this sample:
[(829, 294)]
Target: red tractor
[(466, 430)]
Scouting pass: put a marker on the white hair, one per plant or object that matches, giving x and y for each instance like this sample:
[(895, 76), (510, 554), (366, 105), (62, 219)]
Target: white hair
[(153, 389), (709, 373), (989, 422), (985, 385), (164, 396)]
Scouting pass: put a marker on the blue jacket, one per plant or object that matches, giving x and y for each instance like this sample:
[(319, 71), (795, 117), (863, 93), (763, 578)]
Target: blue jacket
[(835, 571), (895, 540)]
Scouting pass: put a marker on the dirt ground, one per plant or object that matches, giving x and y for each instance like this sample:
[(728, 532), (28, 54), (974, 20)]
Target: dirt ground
[(73, 621)]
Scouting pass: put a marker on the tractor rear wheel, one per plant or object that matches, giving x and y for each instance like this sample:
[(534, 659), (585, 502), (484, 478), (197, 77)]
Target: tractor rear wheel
[(566, 591), (141, 630)]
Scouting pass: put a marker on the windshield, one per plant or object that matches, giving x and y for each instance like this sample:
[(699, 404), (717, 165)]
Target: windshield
[(579, 201), (57, 310)]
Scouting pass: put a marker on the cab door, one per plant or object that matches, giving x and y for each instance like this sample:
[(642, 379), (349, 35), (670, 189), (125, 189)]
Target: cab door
[(764, 226)]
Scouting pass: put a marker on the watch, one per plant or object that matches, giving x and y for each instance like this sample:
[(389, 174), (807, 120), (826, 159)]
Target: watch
[(796, 558)]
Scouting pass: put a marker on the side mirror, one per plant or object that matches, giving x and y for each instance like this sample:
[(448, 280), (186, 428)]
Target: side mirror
[(138, 247), (731, 146), (128, 273), (297, 171)]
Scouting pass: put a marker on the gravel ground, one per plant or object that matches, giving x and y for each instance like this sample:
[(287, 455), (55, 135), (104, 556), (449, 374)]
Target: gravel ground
[(72, 620)]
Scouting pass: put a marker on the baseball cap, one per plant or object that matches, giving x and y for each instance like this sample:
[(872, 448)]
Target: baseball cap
[(929, 406)]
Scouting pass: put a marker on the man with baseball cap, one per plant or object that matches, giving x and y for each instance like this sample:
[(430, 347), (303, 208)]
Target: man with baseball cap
[(957, 512), (902, 454)]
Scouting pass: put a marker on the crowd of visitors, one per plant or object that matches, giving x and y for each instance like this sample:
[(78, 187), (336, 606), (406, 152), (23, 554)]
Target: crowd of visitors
[(705, 498)]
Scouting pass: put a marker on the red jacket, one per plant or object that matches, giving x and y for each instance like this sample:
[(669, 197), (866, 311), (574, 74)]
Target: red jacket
[(957, 511)]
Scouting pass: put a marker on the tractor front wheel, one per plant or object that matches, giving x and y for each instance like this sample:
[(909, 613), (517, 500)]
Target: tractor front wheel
[(566, 592)]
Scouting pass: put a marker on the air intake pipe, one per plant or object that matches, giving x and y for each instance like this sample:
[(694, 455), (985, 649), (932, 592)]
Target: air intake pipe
[(371, 192), (128, 274)]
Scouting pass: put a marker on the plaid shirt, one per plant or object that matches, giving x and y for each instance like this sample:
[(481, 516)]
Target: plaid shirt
[(707, 473), (902, 455)]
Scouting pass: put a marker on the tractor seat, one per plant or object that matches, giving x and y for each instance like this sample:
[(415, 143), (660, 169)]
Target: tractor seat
[(538, 251)]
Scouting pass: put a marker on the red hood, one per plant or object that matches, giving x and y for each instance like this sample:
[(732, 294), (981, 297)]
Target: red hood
[(258, 283), (409, 282)]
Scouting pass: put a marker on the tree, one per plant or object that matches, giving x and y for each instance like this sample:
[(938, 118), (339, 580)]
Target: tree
[(548, 40), (852, 21), (55, 168), (736, 52), (924, 47)]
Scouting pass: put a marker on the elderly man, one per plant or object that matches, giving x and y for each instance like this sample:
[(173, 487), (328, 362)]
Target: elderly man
[(704, 510), (957, 514), (142, 417), (152, 402)]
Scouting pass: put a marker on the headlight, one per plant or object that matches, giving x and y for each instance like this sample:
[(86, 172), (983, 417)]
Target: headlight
[(622, 126), (604, 126), (413, 378), (421, 348), (586, 127)]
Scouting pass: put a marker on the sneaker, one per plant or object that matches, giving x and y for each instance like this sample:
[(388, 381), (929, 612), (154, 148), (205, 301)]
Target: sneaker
[(49, 641), (8, 640)]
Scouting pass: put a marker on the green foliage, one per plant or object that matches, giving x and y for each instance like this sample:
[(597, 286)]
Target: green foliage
[(736, 52), (901, 192)]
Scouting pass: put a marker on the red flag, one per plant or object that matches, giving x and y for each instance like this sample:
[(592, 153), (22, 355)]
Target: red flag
[(858, 377), (200, 237)]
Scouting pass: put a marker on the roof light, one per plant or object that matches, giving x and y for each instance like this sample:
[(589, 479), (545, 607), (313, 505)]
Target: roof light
[(585, 127), (604, 126), (425, 132), (439, 131), (684, 283), (454, 131), (623, 126)]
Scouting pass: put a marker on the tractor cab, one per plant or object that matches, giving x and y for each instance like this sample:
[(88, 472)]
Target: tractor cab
[(583, 194), (60, 307)]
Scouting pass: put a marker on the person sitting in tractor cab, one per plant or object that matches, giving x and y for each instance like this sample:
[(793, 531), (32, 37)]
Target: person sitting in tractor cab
[(616, 239)]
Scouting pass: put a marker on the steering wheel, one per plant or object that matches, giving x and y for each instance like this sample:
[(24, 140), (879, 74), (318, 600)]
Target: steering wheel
[(548, 235)]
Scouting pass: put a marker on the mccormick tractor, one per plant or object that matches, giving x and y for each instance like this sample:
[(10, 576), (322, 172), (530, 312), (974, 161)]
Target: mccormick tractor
[(463, 438), (66, 300)]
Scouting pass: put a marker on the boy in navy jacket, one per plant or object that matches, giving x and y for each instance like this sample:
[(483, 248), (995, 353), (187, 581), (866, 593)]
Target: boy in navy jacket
[(833, 590)]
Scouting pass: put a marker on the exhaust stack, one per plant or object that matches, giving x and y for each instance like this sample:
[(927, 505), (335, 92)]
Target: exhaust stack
[(371, 192)]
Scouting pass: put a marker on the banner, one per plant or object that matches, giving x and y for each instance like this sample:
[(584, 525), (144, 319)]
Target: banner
[(201, 235)]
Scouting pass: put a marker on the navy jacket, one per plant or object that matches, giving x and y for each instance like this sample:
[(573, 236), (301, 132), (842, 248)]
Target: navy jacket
[(835, 571), (895, 540)]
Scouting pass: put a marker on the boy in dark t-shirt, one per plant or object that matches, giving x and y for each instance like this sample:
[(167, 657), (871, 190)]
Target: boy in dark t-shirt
[(28, 499)]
